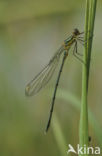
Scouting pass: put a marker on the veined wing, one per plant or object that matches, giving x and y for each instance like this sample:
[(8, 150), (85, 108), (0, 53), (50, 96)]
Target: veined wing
[(44, 76)]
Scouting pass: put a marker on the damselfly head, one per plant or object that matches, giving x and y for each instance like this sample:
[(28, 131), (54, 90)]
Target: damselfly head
[(76, 32)]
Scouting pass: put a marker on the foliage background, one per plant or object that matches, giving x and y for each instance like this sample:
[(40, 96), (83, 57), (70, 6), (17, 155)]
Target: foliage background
[(30, 33)]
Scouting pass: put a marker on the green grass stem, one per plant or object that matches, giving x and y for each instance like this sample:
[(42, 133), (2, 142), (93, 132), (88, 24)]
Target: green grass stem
[(89, 27)]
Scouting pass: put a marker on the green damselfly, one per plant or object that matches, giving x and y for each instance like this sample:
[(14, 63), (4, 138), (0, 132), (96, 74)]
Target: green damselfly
[(42, 78)]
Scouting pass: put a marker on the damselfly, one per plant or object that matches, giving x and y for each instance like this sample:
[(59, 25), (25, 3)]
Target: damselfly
[(42, 78)]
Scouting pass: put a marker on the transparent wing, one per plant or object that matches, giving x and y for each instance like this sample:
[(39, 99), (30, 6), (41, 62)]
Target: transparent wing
[(44, 76)]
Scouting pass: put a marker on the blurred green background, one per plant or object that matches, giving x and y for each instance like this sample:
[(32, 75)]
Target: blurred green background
[(30, 33)]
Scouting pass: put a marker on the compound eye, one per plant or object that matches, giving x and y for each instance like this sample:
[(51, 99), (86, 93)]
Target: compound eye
[(76, 31)]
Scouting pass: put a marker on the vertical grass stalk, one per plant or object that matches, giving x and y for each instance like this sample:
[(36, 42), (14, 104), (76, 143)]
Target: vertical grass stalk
[(89, 27)]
